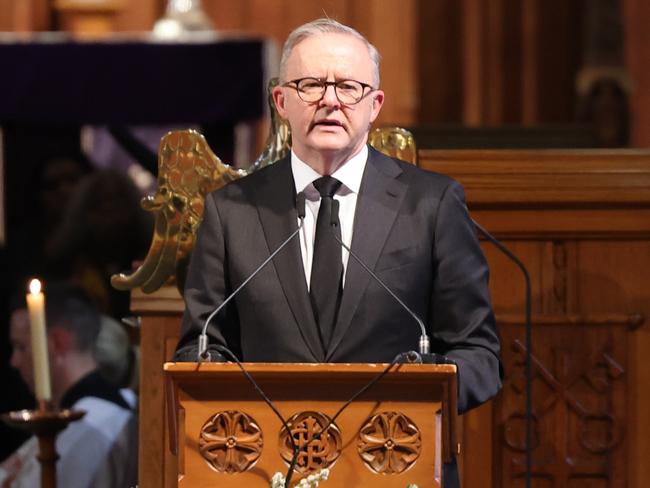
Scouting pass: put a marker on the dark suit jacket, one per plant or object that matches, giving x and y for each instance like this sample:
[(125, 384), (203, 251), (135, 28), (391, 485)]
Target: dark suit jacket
[(411, 227)]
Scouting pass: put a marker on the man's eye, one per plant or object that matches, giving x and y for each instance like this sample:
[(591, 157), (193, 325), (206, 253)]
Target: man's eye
[(348, 87), (310, 85)]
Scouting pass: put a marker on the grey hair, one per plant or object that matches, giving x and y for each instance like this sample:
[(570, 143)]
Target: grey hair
[(67, 306), (326, 26)]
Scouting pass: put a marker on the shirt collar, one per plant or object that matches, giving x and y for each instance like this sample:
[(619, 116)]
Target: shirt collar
[(93, 384), (349, 174)]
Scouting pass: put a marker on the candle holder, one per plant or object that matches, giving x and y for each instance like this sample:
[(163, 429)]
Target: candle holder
[(45, 423)]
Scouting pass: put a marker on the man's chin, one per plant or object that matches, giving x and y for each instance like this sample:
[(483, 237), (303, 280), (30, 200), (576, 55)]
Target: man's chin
[(329, 142)]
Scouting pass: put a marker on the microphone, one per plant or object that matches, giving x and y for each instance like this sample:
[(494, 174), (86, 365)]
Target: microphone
[(203, 353), (424, 355)]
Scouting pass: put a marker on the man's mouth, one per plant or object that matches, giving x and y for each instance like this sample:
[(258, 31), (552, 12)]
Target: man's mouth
[(328, 123)]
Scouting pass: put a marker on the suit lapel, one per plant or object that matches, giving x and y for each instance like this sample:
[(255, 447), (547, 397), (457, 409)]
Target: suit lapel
[(276, 208), (379, 200)]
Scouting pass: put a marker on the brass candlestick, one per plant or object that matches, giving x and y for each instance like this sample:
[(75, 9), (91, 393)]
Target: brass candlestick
[(45, 423)]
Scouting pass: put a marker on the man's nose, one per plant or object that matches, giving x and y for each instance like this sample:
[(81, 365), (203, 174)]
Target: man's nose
[(329, 97)]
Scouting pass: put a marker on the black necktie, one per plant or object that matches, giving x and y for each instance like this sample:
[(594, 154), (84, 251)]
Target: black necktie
[(327, 267)]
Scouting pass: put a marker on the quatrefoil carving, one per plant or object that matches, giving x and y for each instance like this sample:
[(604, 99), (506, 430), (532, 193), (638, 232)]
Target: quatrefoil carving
[(231, 442), (389, 443)]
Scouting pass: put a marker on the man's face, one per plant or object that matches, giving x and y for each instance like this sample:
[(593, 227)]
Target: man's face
[(21, 357), (328, 129)]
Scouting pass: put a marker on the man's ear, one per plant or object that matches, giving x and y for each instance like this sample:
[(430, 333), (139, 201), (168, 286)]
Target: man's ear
[(60, 341), (377, 103), (279, 99)]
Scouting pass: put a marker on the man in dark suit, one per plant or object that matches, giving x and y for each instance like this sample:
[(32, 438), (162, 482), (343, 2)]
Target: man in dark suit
[(408, 225)]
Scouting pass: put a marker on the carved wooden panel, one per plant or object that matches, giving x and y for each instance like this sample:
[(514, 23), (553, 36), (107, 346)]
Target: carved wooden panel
[(306, 429), (580, 402), (231, 442), (307, 396), (389, 442)]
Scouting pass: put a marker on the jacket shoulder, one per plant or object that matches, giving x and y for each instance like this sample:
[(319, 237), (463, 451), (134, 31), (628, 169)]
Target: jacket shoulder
[(408, 172), (250, 184)]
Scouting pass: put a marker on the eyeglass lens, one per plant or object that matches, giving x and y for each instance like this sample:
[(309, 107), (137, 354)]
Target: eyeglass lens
[(347, 91)]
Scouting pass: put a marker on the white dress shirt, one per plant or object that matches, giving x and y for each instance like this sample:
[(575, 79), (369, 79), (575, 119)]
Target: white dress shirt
[(349, 174)]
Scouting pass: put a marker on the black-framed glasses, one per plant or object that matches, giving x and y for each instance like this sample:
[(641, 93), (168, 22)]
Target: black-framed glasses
[(312, 90)]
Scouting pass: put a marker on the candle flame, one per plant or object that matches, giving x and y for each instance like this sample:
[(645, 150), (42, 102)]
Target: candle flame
[(34, 286)]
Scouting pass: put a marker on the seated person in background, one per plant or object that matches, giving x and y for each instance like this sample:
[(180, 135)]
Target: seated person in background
[(103, 230), (100, 450), (117, 358)]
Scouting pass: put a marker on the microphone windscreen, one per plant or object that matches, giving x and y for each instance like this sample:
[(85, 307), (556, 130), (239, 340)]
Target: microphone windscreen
[(300, 205), (334, 222)]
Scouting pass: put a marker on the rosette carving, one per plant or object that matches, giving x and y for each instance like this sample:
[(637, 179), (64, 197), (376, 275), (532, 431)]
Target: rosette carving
[(231, 442), (389, 443)]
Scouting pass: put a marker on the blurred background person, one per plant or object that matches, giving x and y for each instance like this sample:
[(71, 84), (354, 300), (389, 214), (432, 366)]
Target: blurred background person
[(103, 230), (100, 450), (43, 195)]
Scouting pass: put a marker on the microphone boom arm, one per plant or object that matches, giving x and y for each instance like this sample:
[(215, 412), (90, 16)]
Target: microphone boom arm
[(424, 344), (203, 353)]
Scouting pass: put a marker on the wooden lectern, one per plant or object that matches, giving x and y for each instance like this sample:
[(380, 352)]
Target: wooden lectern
[(398, 432)]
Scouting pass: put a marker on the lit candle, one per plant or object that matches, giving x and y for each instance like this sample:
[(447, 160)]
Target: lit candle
[(36, 307)]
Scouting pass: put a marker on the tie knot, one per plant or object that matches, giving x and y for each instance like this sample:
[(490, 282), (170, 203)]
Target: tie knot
[(327, 186)]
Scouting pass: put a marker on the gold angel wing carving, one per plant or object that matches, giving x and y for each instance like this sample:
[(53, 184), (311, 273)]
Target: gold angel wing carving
[(188, 170), (278, 142), (395, 142)]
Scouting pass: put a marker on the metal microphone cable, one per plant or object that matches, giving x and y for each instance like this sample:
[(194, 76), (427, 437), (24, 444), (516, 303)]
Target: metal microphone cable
[(528, 368), (296, 451), (203, 354), (267, 400), (424, 344), (397, 360)]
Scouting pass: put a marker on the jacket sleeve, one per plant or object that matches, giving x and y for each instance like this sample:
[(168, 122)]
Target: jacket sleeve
[(206, 287), (464, 327)]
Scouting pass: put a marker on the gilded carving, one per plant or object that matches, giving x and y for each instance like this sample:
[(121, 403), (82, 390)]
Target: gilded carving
[(318, 448), (278, 141), (231, 442), (188, 170), (389, 443), (395, 142)]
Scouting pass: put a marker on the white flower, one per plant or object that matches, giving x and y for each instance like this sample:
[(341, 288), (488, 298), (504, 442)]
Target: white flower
[(311, 481), (277, 481)]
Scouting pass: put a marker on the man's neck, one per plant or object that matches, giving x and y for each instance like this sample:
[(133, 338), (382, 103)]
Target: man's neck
[(326, 162), (75, 366), (326, 167)]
